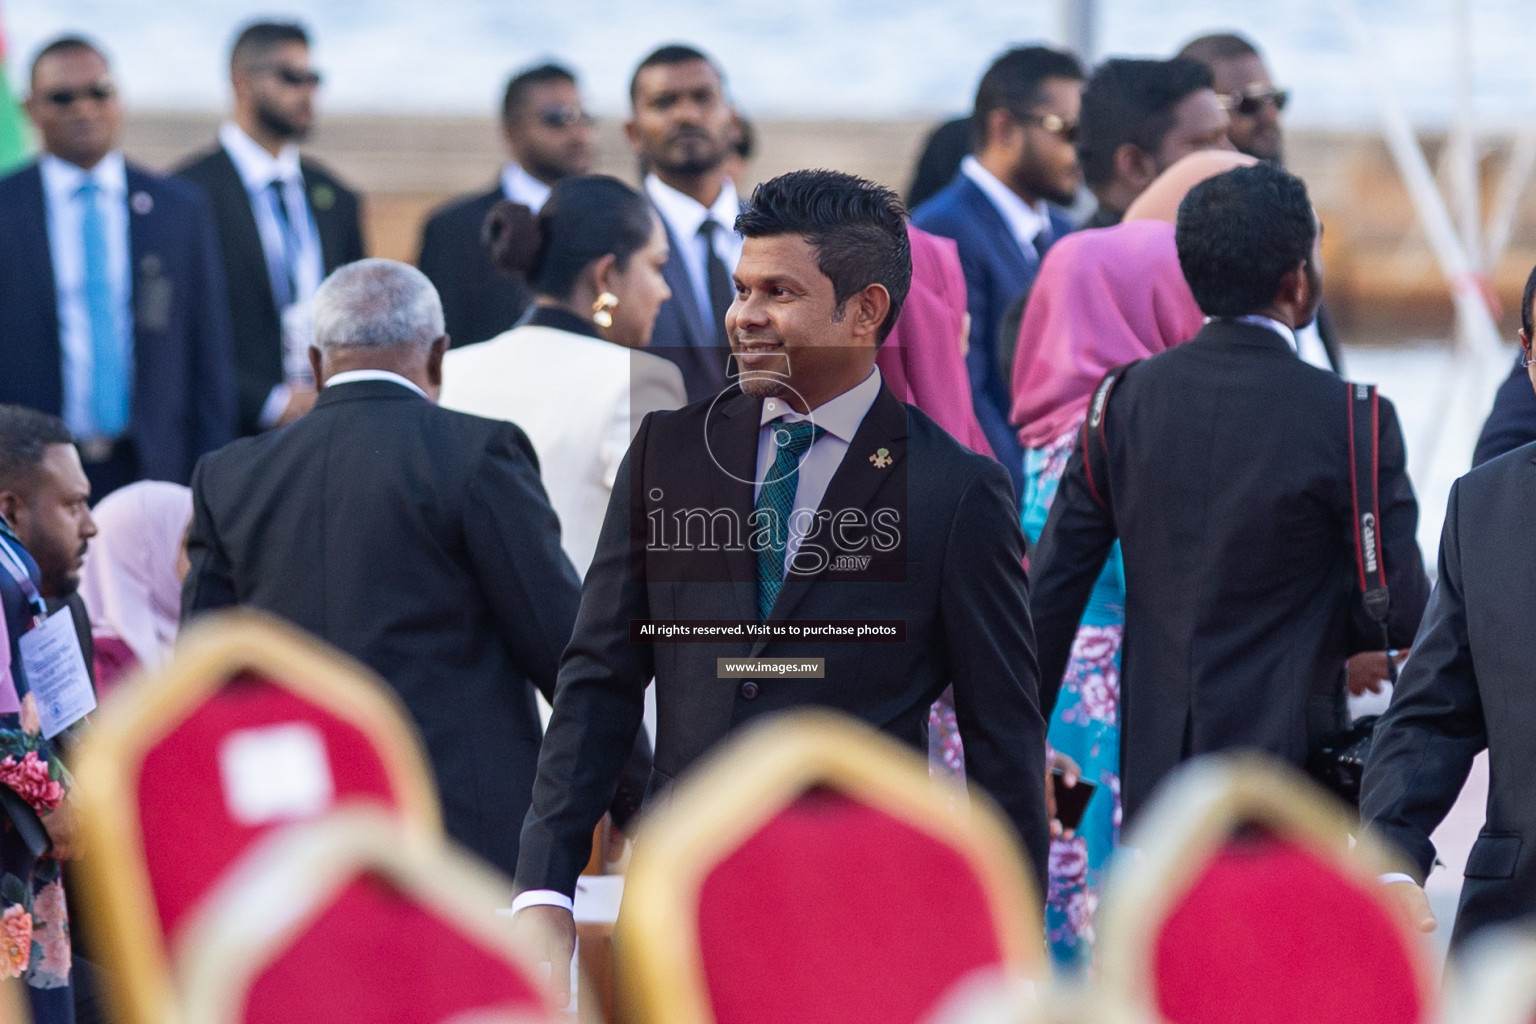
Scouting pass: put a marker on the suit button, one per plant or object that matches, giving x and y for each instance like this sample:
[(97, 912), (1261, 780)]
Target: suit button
[(749, 690)]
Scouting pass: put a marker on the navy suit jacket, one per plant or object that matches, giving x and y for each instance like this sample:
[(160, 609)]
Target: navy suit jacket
[(1512, 420), (997, 273), (184, 382), (683, 335)]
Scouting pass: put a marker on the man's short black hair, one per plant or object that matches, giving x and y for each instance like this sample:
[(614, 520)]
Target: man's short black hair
[(1218, 46), (1239, 233), (672, 53), (857, 228), (64, 44), (520, 84), (1131, 101), (1013, 83), (1525, 303), (260, 38), (25, 437)]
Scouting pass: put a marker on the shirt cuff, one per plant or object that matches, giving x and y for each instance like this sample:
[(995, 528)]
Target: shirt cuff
[(272, 408), (1389, 878), (544, 898)]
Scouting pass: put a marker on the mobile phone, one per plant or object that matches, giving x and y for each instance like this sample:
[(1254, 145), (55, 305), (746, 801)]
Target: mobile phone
[(1071, 801)]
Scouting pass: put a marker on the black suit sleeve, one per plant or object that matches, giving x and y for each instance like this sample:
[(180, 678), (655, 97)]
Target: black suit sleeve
[(1512, 421), (529, 584), (210, 582), (1425, 743), (600, 700), (1078, 533), (984, 606), (214, 400), (1406, 581)]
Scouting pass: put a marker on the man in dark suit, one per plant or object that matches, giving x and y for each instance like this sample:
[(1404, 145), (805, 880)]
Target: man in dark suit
[(1467, 688), (998, 210), (110, 288), (416, 539), (681, 127), (549, 137), (811, 438), (1223, 467), (284, 221), (1512, 420)]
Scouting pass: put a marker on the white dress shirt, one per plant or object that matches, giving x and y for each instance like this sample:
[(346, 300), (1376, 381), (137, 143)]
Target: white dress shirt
[(839, 419), (684, 216), (258, 169), (352, 376), (66, 248), (1024, 221), (521, 187)]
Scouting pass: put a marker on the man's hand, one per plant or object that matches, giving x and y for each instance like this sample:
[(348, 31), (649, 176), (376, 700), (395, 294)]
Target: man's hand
[(63, 830), (549, 933), (1070, 773), (301, 399), (1411, 904), (1368, 671)]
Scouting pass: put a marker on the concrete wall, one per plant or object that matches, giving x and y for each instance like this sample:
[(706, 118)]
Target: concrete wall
[(1382, 281)]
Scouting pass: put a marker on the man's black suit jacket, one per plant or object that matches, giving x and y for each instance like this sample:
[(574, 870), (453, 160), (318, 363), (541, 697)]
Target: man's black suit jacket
[(184, 382), (258, 329), (419, 541), (950, 568), (1227, 482), (479, 301), (1468, 687), (682, 334)]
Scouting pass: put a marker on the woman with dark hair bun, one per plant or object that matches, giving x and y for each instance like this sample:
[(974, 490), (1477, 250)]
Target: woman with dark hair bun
[(573, 375)]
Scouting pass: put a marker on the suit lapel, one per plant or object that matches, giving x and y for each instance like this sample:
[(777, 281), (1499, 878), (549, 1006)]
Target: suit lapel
[(244, 241), (1000, 241), (45, 289), (320, 197), (863, 472), (150, 288), (676, 274), (732, 431)]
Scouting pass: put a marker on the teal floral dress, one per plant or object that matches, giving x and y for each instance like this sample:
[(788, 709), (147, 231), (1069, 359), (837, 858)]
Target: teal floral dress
[(1085, 726)]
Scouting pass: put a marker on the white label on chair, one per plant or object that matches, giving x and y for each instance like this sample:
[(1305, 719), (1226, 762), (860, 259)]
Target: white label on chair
[(275, 772)]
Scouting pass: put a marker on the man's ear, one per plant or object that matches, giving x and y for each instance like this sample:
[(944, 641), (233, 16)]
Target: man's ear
[(11, 506), (1134, 165), (316, 360), (1525, 342), (1001, 126), (435, 362), (869, 308), (633, 135)]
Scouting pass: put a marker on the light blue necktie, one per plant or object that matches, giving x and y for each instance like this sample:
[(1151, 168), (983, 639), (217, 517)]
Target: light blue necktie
[(109, 356), (776, 500), (284, 289)]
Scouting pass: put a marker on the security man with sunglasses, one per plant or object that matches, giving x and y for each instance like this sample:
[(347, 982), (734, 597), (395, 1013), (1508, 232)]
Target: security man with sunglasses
[(1243, 85), (284, 221), (109, 278)]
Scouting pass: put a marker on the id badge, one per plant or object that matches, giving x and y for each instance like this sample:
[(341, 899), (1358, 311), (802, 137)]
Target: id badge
[(56, 675)]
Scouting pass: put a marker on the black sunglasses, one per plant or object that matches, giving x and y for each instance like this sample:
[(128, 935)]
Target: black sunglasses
[(295, 77), (563, 117), (1057, 125), (1249, 101), (100, 92)]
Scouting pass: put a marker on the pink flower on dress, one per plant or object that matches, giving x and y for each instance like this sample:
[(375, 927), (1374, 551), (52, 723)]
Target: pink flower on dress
[(1081, 906), (1100, 696), (1097, 645), (30, 723), (1069, 861), (52, 931), (17, 948), (29, 778)]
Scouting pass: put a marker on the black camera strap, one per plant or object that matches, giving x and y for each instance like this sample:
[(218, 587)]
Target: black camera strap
[(1365, 457)]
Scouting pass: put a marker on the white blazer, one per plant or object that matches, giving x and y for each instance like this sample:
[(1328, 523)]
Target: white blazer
[(579, 400)]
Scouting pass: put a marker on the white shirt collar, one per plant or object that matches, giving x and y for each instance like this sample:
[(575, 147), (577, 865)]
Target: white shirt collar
[(352, 376), (257, 167), (685, 215), (62, 179), (521, 187), (1024, 220), (1263, 321), (839, 417)]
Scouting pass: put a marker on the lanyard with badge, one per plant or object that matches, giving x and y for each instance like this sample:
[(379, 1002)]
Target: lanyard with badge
[(51, 658)]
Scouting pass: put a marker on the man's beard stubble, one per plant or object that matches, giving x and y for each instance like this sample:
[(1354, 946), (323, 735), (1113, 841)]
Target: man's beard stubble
[(278, 124)]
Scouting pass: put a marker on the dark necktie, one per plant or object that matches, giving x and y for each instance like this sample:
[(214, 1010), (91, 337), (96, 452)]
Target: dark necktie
[(775, 502), (285, 285), (721, 291)]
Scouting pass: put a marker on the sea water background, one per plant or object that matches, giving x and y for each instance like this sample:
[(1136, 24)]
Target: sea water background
[(784, 58)]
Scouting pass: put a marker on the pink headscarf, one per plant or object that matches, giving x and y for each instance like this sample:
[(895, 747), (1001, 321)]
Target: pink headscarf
[(129, 583), (921, 361), (1103, 297)]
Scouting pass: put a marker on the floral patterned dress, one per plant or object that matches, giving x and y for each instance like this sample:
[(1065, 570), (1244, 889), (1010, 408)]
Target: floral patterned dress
[(35, 943), (1085, 726)]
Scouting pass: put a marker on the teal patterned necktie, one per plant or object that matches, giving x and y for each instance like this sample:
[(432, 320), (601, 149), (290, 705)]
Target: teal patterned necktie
[(775, 502)]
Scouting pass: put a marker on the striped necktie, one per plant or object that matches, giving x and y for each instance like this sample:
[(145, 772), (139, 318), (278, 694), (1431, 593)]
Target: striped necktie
[(109, 351), (775, 502)]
